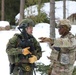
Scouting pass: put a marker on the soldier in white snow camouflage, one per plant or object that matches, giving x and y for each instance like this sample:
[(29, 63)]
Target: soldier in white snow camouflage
[(63, 50)]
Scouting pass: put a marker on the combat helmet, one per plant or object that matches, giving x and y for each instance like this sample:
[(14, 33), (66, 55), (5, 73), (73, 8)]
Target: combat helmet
[(65, 22), (26, 23)]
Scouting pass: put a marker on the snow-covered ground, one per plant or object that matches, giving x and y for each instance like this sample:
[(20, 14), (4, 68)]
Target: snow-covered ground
[(42, 29)]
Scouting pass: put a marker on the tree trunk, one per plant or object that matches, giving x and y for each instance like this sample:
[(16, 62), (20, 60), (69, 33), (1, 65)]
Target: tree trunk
[(22, 5), (2, 9), (52, 18), (64, 9)]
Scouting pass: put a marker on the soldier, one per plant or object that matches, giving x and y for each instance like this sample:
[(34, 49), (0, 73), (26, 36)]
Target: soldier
[(23, 50), (63, 50)]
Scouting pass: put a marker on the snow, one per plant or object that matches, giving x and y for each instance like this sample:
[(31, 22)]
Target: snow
[(4, 23), (41, 29)]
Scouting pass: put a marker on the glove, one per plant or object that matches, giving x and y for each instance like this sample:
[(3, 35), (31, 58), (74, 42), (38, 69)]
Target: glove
[(32, 59), (26, 51)]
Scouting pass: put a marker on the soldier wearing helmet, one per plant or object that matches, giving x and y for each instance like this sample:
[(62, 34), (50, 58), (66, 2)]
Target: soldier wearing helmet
[(65, 22), (63, 50), (23, 50)]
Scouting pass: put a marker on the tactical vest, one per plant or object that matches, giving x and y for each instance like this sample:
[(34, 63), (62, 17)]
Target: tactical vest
[(22, 43)]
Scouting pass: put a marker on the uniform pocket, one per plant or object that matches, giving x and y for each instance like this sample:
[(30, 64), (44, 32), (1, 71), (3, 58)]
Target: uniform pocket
[(64, 59)]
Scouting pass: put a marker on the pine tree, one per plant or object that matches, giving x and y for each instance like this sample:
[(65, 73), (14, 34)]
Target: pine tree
[(42, 68)]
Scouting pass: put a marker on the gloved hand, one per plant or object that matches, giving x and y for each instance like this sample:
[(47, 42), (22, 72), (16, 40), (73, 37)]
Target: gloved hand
[(26, 51), (32, 59)]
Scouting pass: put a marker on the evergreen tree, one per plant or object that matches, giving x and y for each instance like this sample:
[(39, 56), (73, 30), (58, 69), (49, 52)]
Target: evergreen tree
[(41, 17), (42, 68)]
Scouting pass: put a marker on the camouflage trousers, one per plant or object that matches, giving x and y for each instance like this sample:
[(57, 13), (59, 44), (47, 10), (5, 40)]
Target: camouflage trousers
[(19, 71), (59, 69)]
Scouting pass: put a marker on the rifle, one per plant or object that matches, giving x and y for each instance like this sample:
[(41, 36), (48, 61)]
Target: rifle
[(26, 42), (11, 68)]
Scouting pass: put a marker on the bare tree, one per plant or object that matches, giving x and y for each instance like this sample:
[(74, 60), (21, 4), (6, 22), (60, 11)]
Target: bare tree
[(2, 9), (52, 18), (22, 5)]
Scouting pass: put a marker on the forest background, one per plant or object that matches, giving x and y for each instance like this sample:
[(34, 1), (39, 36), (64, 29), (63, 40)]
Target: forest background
[(12, 8)]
